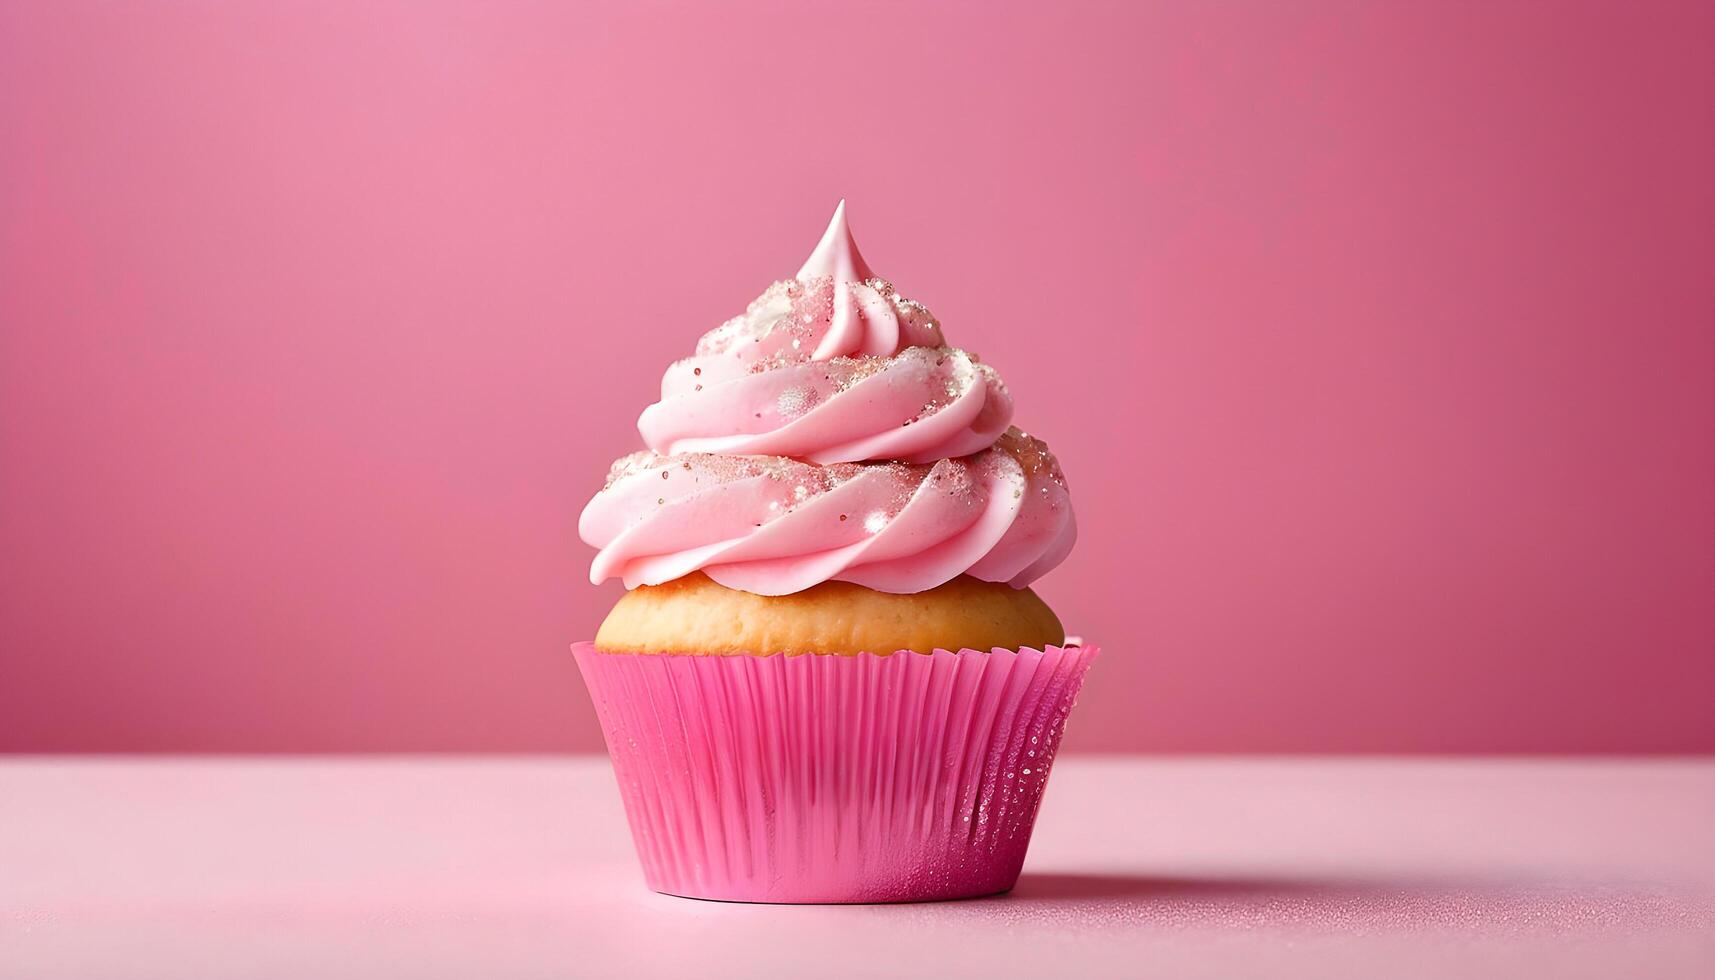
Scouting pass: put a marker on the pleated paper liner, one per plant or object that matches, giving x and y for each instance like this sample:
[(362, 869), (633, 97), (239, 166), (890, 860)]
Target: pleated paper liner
[(906, 777)]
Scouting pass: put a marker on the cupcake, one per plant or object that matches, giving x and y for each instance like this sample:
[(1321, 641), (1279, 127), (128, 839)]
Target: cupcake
[(829, 680)]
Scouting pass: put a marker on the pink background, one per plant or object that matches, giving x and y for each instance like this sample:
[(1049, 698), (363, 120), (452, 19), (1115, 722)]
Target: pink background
[(1377, 341)]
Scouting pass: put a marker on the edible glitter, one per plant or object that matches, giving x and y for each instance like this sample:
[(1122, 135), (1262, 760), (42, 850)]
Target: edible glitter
[(795, 401), (787, 323)]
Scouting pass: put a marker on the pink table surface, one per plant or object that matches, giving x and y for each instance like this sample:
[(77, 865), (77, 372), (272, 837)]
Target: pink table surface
[(521, 867)]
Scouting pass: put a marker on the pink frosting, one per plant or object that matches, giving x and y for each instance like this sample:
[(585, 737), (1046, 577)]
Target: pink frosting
[(920, 405), (772, 525), (829, 433), (832, 366)]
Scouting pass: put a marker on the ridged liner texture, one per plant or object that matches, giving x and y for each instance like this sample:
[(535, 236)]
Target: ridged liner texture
[(813, 778)]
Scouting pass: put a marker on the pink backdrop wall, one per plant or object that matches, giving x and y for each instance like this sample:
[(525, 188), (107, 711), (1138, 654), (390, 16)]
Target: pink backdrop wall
[(1376, 339)]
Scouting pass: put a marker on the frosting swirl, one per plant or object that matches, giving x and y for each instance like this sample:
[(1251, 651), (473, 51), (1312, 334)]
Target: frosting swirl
[(832, 366), (772, 525), (829, 433)]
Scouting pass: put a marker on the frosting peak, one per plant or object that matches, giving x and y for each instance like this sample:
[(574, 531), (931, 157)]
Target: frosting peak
[(865, 315), (832, 366), (836, 255)]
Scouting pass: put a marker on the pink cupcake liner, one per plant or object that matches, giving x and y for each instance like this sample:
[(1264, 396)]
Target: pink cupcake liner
[(908, 777)]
